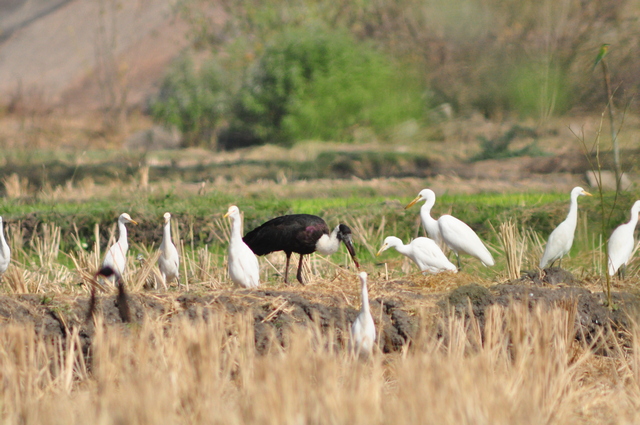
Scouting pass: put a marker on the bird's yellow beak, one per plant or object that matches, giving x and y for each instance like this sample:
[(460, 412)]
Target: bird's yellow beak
[(226, 215), (412, 203), (384, 247), (134, 222), (584, 192)]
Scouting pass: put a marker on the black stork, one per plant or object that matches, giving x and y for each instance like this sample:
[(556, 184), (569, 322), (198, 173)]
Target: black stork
[(122, 297), (301, 233)]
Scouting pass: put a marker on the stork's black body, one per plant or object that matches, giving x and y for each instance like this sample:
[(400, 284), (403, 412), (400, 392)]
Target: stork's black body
[(122, 298), (298, 233)]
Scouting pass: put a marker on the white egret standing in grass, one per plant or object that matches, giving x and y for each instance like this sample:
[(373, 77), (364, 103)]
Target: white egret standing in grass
[(423, 251), (622, 243), (5, 251), (455, 233), (116, 257), (363, 329), (561, 239), (429, 223), (244, 269), (169, 260)]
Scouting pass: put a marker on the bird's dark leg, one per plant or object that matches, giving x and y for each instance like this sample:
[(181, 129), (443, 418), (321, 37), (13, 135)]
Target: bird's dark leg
[(299, 274), (458, 260), (621, 271), (286, 268)]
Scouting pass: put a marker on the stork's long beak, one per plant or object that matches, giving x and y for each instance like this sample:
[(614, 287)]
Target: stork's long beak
[(415, 201), (226, 215), (382, 249), (134, 222), (352, 251), (584, 192)]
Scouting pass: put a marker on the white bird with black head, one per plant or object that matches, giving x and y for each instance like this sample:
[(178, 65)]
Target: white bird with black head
[(561, 239), (244, 268), (423, 251), (455, 233), (116, 257), (622, 243), (169, 260), (300, 233)]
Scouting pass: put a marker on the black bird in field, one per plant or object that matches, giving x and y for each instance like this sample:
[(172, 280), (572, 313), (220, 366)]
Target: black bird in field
[(301, 233), (122, 298)]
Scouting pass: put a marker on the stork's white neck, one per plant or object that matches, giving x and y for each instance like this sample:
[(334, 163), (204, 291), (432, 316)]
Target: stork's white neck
[(328, 244)]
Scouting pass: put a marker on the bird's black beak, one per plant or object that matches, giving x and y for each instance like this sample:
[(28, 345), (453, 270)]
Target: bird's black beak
[(352, 251)]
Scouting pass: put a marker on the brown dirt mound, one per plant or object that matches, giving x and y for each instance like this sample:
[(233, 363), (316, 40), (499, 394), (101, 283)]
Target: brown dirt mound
[(276, 312)]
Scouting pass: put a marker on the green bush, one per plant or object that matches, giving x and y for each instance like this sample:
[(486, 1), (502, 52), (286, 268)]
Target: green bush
[(191, 100), (318, 84)]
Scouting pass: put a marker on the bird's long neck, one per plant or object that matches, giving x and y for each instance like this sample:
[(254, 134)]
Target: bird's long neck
[(122, 230), (425, 214), (166, 233), (236, 228), (632, 222), (572, 217), (365, 298), (328, 244), (402, 248), (4, 246)]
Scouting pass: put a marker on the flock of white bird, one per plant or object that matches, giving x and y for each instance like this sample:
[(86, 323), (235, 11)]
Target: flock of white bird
[(427, 253)]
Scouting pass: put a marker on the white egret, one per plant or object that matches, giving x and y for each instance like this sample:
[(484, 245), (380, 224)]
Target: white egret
[(363, 329), (622, 243), (423, 251), (5, 251), (561, 239), (169, 260), (429, 223), (116, 257), (455, 233), (244, 269)]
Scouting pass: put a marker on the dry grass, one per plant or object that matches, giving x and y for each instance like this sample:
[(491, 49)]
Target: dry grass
[(524, 368)]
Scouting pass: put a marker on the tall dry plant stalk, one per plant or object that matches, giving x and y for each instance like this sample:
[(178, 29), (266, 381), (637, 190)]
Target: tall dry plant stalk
[(370, 234), (513, 246), (14, 186), (523, 366), (47, 246)]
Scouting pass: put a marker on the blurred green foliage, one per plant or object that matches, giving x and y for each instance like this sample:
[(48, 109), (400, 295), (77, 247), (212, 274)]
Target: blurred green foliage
[(193, 100), (313, 83), (319, 69)]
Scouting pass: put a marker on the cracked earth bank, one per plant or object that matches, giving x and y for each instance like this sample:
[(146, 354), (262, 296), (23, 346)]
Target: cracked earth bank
[(274, 313)]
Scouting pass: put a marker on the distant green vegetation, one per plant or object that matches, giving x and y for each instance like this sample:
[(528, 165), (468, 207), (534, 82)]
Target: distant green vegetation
[(308, 83), (323, 69), (199, 217), (313, 83)]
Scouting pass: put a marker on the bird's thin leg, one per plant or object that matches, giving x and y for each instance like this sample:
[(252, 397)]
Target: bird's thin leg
[(286, 268), (164, 282), (458, 260), (622, 271), (299, 274)]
